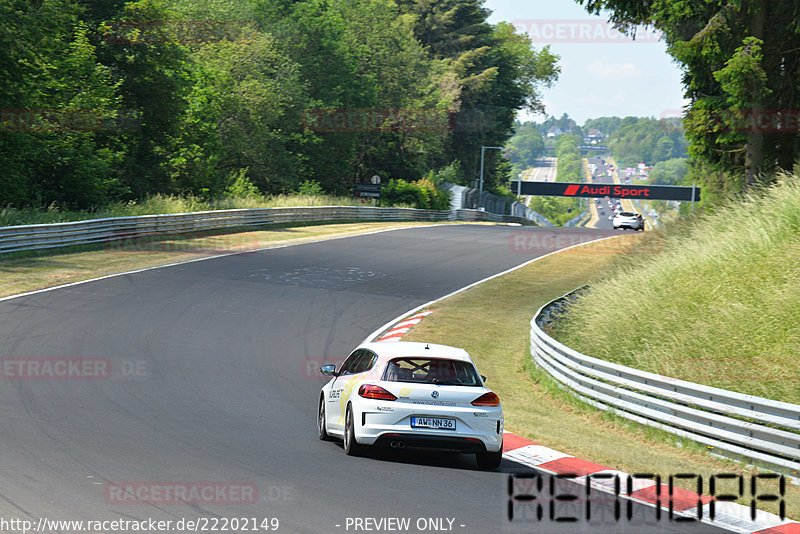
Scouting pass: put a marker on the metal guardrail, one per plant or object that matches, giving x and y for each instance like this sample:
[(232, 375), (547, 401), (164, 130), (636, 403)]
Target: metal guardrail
[(461, 197), (580, 217), (44, 236), (755, 428)]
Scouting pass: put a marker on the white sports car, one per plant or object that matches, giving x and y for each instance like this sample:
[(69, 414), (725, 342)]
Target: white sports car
[(416, 395), (627, 219)]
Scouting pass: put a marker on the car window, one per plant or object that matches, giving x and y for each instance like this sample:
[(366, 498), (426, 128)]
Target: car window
[(365, 362), (432, 370), (358, 362), (351, 362)]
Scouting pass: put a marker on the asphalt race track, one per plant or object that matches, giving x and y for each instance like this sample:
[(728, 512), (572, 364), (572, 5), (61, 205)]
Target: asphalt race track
[(211, 378), (604, 223)]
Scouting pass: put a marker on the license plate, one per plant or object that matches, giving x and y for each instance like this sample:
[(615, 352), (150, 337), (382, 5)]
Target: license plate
[(439, 423)]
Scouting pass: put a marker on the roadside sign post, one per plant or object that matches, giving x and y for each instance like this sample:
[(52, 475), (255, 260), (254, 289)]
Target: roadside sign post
[(376, 180), (693, 188), (368, 190)]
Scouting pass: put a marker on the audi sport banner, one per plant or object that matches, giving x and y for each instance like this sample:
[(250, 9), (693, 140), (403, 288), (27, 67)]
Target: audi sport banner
[(563, 189)]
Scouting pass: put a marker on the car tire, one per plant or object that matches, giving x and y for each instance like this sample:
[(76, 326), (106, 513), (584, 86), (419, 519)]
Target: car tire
[(351, 446), (489, 460), (321, 430)]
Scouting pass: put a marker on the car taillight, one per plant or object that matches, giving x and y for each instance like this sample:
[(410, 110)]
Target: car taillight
[(487, 399), (369, 391)]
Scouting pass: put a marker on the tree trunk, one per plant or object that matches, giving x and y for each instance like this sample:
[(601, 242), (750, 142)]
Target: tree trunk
[(754, 155), (788, 137), (754, 150)]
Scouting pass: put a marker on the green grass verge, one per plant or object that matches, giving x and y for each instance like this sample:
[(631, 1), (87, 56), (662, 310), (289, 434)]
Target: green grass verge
[(492, 322), (164, 204), (719, 304)]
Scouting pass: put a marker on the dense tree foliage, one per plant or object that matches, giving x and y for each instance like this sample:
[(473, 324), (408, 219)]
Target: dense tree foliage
[(607, 125), (669, 172), (111, 100), (524, 147), (741, 61), (644, 140)]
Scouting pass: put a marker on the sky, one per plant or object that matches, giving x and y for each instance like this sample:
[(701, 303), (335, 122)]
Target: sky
[(603, 73)]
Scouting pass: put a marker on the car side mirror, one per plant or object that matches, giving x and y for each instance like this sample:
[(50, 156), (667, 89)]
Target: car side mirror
[(328, 370), (483, 378)]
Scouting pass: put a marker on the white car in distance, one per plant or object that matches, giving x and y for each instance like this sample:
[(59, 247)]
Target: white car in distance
[(627, 219), (415, 395)]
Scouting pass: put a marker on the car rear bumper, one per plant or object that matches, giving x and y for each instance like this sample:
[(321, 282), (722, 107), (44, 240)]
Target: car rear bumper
[(487, 435), (419, 441)]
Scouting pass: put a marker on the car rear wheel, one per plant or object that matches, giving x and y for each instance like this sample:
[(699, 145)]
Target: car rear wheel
[(323, 432), (351, 446), (489, 460)]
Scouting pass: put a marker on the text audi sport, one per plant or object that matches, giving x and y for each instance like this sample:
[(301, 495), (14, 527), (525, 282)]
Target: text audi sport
[(403, 394)]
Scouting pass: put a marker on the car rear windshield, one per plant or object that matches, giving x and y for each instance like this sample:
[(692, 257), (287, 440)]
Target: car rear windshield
[(627, 214), (432, 371)]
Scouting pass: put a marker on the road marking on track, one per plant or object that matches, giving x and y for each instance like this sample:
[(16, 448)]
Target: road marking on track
[(113, 275), (400, 329)]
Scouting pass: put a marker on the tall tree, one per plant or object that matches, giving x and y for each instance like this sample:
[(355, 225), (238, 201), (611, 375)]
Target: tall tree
[(56, 100), (741, 62), (152, 63), (524, 146), (245, 97), (493, 71)]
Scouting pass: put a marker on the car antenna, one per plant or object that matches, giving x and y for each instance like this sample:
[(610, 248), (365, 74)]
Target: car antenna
[(427, 347)]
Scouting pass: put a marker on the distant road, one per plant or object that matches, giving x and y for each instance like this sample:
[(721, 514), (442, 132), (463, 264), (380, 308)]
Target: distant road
[(543, 171), (602, 176)]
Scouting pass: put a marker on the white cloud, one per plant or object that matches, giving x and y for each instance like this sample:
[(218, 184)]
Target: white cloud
[(614, 71)]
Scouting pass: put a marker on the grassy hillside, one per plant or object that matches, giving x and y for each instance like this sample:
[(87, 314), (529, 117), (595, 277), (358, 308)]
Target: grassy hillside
[(161, 204), (717, 303)]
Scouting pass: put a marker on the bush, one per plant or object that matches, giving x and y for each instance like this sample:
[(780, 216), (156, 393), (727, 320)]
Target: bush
[(241, 186), (421, 194), (310, 187), (451, 173)]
